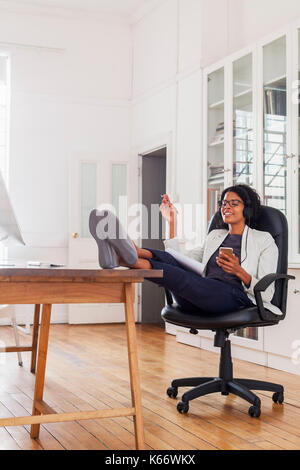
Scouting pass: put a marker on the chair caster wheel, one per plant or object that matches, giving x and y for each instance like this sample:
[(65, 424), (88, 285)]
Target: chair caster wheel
[(182, 407), (278, 397), (172, 392), (254, 411)]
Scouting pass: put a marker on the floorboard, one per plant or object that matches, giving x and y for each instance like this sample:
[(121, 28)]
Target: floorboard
[(87, 369)]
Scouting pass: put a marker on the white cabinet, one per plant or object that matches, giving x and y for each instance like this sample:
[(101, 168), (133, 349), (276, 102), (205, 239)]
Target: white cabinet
[(251, 127), (283, 338)]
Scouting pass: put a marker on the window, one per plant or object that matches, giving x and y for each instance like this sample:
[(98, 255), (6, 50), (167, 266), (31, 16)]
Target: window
[(4, 126), (4, 115)]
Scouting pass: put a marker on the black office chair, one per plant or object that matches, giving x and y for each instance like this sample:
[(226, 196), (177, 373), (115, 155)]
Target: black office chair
[(273, 221)]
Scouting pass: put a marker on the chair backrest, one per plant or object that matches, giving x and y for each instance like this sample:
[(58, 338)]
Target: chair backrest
[(273, 221)]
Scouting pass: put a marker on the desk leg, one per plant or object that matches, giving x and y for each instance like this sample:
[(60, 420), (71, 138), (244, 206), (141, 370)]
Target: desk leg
[(41, 366), (133, 367), (35, 335)]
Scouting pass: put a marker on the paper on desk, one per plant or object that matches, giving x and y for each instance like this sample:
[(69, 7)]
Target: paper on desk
[(187, 262)]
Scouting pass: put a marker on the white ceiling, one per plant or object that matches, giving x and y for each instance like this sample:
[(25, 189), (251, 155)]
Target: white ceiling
[(112, 7)]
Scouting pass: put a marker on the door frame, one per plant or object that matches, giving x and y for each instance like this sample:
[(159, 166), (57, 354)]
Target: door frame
[(156, 143)]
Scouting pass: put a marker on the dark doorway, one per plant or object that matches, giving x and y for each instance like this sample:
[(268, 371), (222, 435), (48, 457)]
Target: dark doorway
[(153, 186)]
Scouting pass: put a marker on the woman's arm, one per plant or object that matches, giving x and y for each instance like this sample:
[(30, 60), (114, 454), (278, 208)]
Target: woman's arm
[(169, 213), (244, 277), (173, 225)]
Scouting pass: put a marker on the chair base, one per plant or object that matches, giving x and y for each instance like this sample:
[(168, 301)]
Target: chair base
[(225, 384)]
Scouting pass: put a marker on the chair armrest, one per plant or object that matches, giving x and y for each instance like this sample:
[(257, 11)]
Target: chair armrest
[(267, 280), (262, 285)]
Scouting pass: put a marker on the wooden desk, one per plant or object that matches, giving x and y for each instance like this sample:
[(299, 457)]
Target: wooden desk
[(47, 286)]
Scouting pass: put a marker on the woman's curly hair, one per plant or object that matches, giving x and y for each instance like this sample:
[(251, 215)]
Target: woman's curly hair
[(250, 198)]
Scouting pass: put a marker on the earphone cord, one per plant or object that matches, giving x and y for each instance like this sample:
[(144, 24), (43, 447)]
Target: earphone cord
[(246, 244)]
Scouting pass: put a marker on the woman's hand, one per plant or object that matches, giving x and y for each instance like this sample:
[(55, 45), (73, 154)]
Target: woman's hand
[(168, 211), (231, 265)]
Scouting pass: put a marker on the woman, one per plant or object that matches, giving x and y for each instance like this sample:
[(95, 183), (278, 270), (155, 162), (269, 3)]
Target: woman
[(228, 281)]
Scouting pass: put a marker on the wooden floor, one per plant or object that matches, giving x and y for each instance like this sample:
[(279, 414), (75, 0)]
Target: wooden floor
[(87, 369)]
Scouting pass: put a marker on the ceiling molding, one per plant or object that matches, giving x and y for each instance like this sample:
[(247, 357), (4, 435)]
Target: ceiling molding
[(31, 9), (14, 6)]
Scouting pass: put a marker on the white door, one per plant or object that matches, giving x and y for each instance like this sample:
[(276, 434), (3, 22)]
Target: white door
[(94, 180)]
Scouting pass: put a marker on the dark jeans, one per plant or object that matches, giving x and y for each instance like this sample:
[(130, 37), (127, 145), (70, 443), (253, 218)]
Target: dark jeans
[(194, 293)]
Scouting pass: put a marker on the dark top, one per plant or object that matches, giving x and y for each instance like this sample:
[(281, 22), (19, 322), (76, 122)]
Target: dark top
[(213, 271)]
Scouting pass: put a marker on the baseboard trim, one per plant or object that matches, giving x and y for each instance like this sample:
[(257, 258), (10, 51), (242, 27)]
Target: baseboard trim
[(23, 319)]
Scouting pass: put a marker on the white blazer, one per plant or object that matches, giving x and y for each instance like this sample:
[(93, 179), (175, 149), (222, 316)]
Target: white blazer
[(261, 259)]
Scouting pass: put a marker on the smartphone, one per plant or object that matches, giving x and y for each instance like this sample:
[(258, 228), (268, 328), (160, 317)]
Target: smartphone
[(226, 250)]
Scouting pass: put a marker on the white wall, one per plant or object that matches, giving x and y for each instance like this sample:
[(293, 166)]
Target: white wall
[(67, 101), (166, 91), (155, 52)]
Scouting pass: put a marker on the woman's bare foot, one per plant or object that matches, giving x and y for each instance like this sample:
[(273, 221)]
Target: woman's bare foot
[(141, 264)]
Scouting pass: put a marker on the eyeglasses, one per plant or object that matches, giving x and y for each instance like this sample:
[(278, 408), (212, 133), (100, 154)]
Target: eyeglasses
[(231, 203)]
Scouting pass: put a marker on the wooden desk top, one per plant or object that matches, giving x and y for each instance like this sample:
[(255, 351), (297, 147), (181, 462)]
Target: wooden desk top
[(66, 285), (22, 272)]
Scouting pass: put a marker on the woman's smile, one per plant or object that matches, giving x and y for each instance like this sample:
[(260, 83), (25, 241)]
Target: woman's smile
[(227, 214)]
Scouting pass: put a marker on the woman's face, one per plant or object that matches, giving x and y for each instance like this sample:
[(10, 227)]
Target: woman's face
[(232, 213)]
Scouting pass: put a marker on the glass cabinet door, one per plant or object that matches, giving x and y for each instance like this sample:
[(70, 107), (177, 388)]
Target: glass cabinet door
[(243, 121), (275, 124), (3, 115), (216, 137), (296, 168)]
